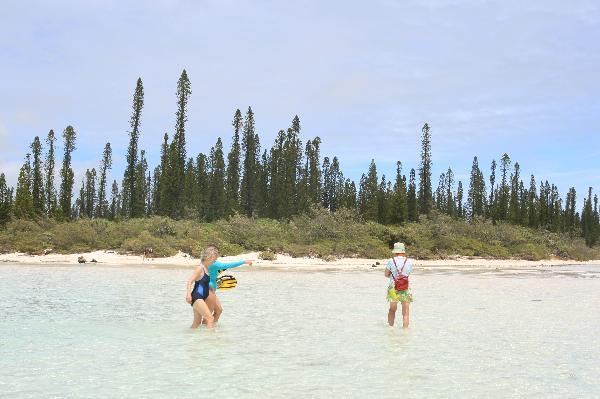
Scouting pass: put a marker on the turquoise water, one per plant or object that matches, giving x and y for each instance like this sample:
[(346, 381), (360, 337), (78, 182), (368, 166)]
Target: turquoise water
[(97, 331)]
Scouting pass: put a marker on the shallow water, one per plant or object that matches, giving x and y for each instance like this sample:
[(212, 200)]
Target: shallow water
[(123, 332)]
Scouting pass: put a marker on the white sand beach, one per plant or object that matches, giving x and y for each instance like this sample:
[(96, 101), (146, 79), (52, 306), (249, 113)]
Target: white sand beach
[(283, 261)]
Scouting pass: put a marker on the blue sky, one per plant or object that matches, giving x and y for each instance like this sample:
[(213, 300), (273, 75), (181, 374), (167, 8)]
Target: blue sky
[(488, 76)]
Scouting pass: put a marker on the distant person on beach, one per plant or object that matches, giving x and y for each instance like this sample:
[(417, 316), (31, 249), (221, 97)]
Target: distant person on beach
[(398, 269), (205, 304)]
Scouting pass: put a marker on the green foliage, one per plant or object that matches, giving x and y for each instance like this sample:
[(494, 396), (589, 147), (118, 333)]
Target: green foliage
[(339, 234), (267, 255)]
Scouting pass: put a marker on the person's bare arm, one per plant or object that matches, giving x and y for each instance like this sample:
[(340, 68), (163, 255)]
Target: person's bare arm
[(387, 272), (195, 276)]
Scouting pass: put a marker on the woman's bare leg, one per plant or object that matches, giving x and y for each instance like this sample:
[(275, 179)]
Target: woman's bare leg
[(218, 309), (392, 313), (202, 309), (197, 319), (211, 303), (405, 314)]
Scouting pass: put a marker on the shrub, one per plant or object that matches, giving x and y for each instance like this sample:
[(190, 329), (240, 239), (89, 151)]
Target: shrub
[(267, 255), (138, 244)]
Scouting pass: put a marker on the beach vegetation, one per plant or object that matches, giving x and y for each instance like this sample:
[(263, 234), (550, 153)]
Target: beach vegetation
[(285, 197)]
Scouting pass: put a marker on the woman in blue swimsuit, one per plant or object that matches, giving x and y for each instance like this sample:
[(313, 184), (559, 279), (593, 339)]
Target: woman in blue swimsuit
[(202, 296)]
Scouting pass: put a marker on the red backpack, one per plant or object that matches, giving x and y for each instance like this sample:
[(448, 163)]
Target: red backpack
[(400, 283)]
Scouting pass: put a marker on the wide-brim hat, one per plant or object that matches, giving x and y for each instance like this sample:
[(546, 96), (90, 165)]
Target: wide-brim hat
[(399, 248)]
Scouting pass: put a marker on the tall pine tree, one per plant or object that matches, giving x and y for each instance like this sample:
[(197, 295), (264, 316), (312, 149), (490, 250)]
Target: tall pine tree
[(49, 164), (425, 191), (66, 173), (250, 150), (37, 179), (6, 200), (232, 189), (412, 204), (23, 207), (130, 191), (105, 166)]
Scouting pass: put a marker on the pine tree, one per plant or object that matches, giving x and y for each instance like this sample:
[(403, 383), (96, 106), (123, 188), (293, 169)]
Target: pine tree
[(155, 205), (276, 169), (292, 157), (149, 199), (460, 212), (570, 222), (504, 190), (350, 200), (23, 207), (514, 207), (523, 199), (476, 197), (492, 204), (149, 196), (37, 184), (162, 200), (399, 206), (90, 193), (49, 190), (450, 205), (203, 186), (190, 195), (413, 210), (141, 190), (532, 205), (326, 190), (382, 197), (6, 199), (178, 155), (544, 198), (263, 202), (425, 193), (130, 193), (66, 173), (337, 185), (105, 166), (217, 195), (78, 209), (313, 156), (556, 210), (233, 166), (115, 202), (588, 225), (440, 194), (248, 184), (368, 205)]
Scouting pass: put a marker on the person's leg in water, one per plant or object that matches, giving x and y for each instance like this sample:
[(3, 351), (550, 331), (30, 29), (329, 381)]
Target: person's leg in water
[(405, 314), (202, 314), (218, 309), (214, 305), (211, 302), (392, 313)]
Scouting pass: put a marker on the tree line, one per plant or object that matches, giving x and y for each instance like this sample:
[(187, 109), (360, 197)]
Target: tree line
[(277, 182)]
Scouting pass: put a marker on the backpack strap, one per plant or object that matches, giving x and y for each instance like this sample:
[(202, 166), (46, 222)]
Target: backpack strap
[(399, 271)]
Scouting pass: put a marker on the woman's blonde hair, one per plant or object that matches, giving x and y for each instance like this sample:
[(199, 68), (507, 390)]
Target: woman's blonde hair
[(211, 253)]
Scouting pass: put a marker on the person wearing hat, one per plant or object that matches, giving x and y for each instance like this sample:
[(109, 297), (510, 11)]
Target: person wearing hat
[(398, 269)]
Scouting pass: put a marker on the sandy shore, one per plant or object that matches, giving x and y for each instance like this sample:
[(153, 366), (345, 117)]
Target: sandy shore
[(111, 258)]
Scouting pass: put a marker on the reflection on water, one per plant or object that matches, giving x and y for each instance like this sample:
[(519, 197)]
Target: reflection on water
[(122, 332)]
